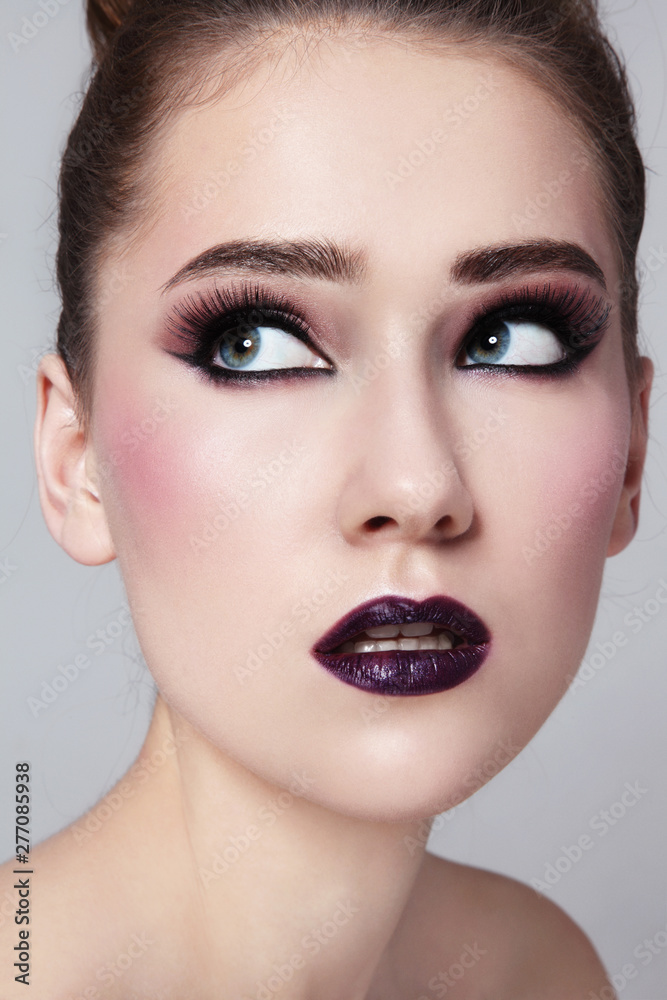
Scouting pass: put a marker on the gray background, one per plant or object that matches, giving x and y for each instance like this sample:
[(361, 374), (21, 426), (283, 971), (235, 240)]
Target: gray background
[(601, 736)]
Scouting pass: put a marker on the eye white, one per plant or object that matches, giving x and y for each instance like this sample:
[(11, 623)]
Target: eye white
[(273, 348), (518, 342)]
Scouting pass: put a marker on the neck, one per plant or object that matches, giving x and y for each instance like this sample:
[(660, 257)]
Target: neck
[(279, 888)]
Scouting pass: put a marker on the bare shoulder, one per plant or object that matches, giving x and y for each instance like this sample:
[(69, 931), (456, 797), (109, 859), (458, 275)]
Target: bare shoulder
[(64, 908), (17, 890), (38, 898), (496, 938), (97, 903)]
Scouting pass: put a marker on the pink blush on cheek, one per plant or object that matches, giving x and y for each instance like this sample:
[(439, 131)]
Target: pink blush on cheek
[(584, 498), (152, 464), (172, 472)]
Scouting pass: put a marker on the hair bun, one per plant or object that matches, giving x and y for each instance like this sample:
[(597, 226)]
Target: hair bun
[(103, 18)]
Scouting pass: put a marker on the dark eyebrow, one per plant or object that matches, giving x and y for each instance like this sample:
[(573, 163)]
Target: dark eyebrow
[(494, 263), (322, 259)]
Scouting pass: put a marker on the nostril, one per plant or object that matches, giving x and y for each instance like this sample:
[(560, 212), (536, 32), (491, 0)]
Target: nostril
[(376, 522)]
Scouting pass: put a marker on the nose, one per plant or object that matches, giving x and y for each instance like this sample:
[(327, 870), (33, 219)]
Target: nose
[(403, 480)]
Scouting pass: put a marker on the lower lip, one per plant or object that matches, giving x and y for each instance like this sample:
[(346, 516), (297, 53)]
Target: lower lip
[(399, 672)]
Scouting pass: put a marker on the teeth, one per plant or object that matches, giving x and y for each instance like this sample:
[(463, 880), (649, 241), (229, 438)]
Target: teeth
[(439, 641), (383, 631), (367, 647), (409, 643)]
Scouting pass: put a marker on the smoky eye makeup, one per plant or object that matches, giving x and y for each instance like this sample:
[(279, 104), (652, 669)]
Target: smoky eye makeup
[(226, 333), (249, 334), (532, 331)]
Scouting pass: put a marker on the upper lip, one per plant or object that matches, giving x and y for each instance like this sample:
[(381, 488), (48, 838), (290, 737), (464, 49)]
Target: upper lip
[(392, 609)]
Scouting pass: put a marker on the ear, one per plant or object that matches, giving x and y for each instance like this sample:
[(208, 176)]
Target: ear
[(627, 512), (65, 465)]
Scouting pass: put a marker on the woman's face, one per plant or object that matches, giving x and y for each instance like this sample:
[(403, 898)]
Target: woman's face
[(249, 517)]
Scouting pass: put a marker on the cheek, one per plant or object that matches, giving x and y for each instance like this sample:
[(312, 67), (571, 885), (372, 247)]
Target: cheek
[(560, 472), (553, 472), (149, 459), (576, 480), (193, 487)]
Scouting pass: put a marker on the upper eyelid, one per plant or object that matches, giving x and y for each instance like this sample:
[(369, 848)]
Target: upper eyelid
[(527, 295), (546, 299), (196, 310), (596, 319)]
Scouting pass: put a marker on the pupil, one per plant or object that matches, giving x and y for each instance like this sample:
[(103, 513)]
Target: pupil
[(239, 346)]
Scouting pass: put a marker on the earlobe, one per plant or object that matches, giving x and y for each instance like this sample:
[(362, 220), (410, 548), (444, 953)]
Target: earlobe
[(627, 512), (69, 497)]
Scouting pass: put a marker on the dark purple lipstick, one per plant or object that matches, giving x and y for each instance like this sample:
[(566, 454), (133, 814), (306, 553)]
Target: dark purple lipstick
[(434, 645)]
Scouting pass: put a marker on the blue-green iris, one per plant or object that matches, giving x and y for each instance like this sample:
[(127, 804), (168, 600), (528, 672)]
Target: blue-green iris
[(492, 345), (240, 345)]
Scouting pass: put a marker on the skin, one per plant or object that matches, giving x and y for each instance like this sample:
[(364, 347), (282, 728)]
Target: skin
[(358, 773)]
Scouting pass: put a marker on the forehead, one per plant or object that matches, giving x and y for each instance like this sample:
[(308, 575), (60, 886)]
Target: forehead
[(416, 155)]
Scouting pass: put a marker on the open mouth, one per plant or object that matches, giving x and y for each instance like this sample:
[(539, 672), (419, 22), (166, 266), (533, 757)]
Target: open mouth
[(399, 646), (409, 636)]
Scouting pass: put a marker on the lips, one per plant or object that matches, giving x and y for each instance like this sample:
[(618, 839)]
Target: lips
[(406, 671)]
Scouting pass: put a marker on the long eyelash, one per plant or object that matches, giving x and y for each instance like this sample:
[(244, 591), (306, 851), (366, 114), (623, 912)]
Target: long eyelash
[(200, 320), (577, 317)]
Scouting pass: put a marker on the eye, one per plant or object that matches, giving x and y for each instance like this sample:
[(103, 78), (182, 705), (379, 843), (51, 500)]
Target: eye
[(512, 342), (244, 334), (249, 346)]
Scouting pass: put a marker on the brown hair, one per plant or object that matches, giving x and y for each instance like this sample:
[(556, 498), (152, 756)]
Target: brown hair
[(152, 58)]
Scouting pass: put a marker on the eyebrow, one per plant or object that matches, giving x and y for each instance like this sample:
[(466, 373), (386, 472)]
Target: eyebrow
[(493, 263), (325, 259)]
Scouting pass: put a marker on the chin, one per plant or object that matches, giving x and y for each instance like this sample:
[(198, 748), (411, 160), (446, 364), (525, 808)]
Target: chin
[(400, 776)]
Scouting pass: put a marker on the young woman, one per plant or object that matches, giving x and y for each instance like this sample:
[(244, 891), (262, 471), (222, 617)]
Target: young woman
[(371, 380)]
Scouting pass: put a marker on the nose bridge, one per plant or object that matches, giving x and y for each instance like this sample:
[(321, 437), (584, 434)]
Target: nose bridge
[(401, 406), (402, 466)]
